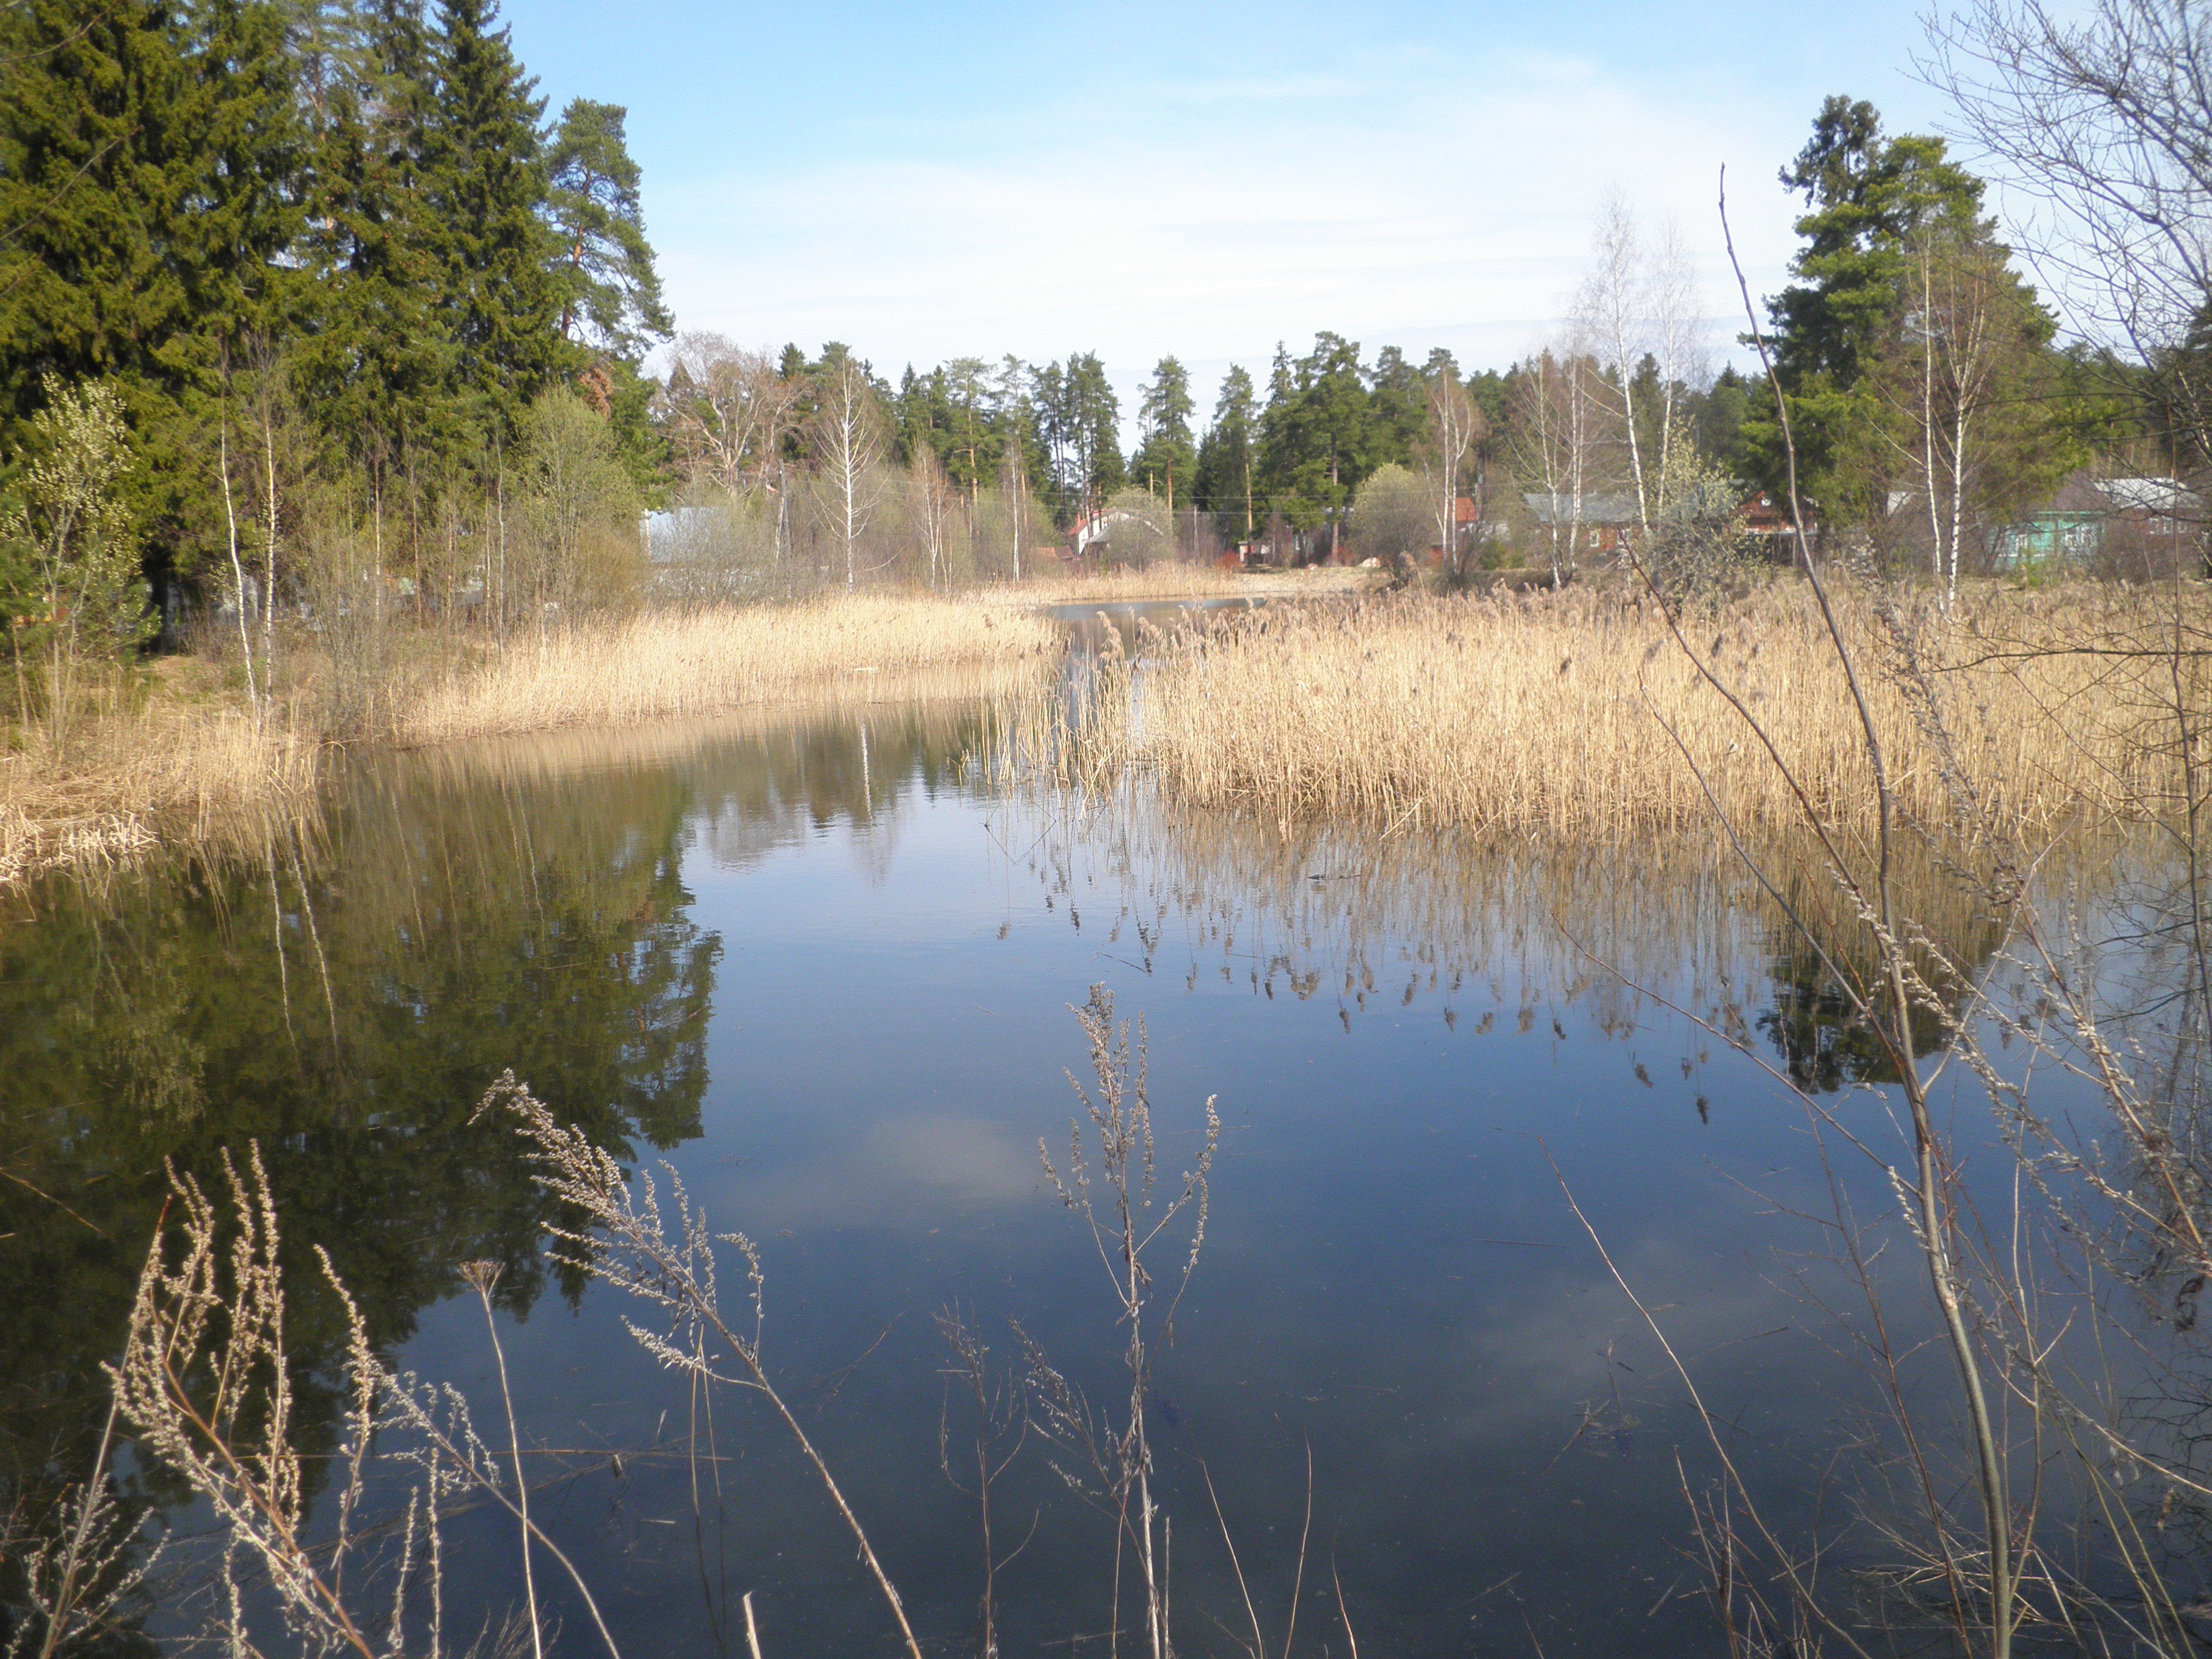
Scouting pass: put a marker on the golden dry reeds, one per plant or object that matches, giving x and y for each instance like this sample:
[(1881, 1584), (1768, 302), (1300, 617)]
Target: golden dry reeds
[(1169, 580), (665, 664), (205, 780), (1553, 712)]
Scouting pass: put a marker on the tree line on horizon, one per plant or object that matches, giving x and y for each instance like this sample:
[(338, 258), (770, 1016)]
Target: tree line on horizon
[(1915, 361), (325, 301)]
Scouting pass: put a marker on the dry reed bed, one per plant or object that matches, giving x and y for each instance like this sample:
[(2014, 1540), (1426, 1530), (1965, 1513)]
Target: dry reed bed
[(1170, 580), (663, 666), (209, 781), (1514, 713)]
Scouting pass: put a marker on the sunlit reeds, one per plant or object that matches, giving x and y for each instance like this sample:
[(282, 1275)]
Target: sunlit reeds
[(205, 779), (1173, 580), (1580, 714), (667, 664)]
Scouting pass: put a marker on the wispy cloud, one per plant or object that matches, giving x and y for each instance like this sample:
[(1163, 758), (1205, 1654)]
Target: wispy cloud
[(1453, 211)]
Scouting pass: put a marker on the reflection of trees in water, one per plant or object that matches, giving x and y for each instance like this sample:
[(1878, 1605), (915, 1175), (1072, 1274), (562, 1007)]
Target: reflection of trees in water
[(1376, 919), (461, 930), (1814, 1019), (471, 907)]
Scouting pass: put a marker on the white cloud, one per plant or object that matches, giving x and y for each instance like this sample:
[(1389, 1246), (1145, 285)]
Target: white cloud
[(1212, 219)]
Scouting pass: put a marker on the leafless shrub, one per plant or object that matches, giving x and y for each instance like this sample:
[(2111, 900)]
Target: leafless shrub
[(1001, 1429)]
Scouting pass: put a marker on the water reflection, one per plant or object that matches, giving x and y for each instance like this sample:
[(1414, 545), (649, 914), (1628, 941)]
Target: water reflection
[(822, 964)]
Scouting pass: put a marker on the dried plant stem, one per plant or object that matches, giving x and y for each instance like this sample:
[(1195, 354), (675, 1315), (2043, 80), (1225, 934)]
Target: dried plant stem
[(1936, 1228), (483, 1275), (632, 1251)]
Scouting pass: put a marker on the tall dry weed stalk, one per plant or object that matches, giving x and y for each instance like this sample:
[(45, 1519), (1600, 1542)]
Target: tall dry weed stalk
[(1110, 1180), (77, 1580), (205, 1382), (625, 1241), (1534, 712), (2040, 1509)]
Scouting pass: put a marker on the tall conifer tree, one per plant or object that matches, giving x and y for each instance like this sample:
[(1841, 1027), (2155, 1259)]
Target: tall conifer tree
[(485, 185)]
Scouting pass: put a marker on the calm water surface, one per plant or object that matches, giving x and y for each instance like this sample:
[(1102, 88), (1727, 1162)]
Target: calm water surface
[(825, 971)]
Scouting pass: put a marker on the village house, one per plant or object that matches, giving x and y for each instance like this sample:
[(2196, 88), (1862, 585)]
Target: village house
[(2135, 528), (1598, 524)]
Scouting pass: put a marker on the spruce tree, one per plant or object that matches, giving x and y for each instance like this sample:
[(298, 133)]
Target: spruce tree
[(148, 162), (377, 358), (1224, 482), (484, 186)]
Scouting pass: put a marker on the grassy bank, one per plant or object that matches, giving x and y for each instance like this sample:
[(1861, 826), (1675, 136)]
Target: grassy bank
[(181, 761), (1578, 713)]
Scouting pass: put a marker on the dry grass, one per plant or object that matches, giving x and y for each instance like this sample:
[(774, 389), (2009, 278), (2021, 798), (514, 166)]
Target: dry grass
[(1166, 581), (663, 666), (206, 780), (1545, 711)]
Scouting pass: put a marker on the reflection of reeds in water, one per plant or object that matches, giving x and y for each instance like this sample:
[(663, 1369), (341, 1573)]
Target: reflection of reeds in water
[(664, 664), (1552, 713), (945, 699), (1374, 920), (212, 784)]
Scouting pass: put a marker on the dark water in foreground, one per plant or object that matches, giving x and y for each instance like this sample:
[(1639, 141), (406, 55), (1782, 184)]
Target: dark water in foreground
[(825, 971)]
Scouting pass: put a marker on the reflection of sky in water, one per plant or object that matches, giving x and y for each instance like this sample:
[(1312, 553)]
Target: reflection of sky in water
[(862, 961), (1391, 1275)]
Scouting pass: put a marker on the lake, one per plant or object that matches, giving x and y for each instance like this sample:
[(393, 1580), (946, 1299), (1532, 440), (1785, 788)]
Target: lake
[(823, 964)]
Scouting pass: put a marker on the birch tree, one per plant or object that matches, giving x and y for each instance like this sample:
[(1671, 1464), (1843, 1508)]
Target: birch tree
[(1961, 418), (1553, 413), (1638, 304), (846, 432), (1456, 426), (2100, 114), (933, 505), (729, 410)]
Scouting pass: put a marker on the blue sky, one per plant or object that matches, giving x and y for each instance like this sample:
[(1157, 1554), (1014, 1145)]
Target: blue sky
[(1199, 178)]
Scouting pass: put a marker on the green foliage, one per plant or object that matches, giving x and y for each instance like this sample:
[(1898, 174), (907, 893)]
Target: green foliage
[(361, 190), (1167, 455), (147, 157), (1222, 480), (74, 532), (612, 291), (580, 503), (1078, 420), (1697, 544), (1865, 195), (1393, 516), (1317, 433), (1717, 417), (484, 183)]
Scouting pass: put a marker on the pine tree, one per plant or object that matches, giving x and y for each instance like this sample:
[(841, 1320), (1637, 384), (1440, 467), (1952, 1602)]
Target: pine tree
[(1166, 457), (1865, 195), (612, 292)]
